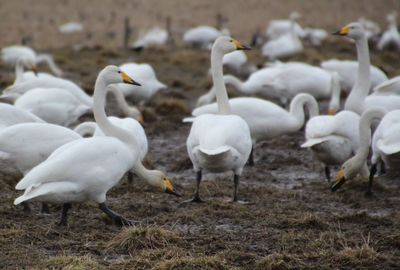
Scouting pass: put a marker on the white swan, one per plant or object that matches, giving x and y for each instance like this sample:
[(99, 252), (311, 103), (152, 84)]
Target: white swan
[(286, 45), (358, 101), (202, 36), (391, 36), (389, 87), (11, 115), (95, 164), (315, 35), (53, 105), (333, 139), (70, 28), (219, 142), (277, 28), (235, 60), (13, 92), (11, 54), (265, 119), (19, 68), (372, 29), (385, 145), (154, 37), (145, 73), (348, 73)]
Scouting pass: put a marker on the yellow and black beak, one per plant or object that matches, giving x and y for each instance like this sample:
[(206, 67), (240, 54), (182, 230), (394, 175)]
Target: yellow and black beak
[(140, 119), (34, 69), (342, 32), (240, 46), (170, 189), (331, 111), (128, 79), (340, 180)]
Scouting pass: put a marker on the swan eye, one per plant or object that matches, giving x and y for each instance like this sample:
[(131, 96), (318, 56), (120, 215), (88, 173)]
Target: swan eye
[(231, 40), (119, 71)]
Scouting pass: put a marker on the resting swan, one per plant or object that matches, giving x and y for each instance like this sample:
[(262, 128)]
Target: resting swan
[(95, 164), (11, 115), (202, 36), (265, 119), (219, 142), (358, 101), (153, 37)]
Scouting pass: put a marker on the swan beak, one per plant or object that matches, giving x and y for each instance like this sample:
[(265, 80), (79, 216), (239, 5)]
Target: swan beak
[(128, 79), (34, 69), (342, 32), (240, 46), (340, 179), (141, 120), (331, 111), (170, 189)]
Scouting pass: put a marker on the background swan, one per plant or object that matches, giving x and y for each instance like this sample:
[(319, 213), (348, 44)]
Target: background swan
[(389, 87), (277, 28), (391, 36), (153, 37), (385, 145), (202, 36), (315, 35), (70, 27), (219, 142), (145, 73), (11, 115), (347, 71), (265, 119)]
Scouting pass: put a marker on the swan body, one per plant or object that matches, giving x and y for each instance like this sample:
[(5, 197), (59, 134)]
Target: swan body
[(219, 142), (284, 46), (26, 145), (145, 73), (11, 54), (389, 87), (201, 36), (94, 164), (265, 119), (11, 115), (391, 36), (348, 72), (315, 35), (277, 28), (235, 60), (155, 36), (53, 105), (70, 28)]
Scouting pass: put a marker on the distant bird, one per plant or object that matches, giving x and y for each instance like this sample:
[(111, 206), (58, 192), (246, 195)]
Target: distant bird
[(154, 37), (372, 29), (202, 36), (315, 35), (277, 28), (391, 36), (70, 28)]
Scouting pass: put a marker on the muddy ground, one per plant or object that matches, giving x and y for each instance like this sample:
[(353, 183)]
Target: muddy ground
[(292, 219)]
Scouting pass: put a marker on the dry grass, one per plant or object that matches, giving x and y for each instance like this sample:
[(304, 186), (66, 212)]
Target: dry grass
[(279, 261), (193, 263), (71, 263), (133, 239)]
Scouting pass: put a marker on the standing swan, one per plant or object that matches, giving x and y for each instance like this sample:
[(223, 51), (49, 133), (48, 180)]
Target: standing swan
[(385, 146), (94, 164), (219, 142)]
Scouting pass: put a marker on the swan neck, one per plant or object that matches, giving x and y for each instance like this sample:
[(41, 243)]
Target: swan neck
[(238, 84), (145, 174), (218, 80), (121, 101), (108, 128), (49, 60), (19, 70), (299, 104), (335, 93)]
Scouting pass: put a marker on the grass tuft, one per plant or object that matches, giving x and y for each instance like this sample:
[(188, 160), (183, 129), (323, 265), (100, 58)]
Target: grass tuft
[(278, 261), (193, 263), (72, 263)]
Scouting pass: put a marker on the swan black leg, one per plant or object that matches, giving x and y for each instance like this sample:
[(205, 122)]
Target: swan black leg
[(117, 218), (235, 187), (196, 197), (328, 174), (27, 208), (64, 214), (371, 179), (45, 209), (251, 158), (382, 168), (130, 178)]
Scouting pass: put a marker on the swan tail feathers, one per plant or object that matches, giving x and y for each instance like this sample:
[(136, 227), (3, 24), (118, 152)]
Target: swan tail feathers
[(214, 152), (188, 119)]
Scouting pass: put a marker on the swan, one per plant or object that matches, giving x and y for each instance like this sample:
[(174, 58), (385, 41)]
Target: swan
[(277, 28), (11, 54), (19, 68), (13, 92), (154, 37), (219, 142), (286, 45), (348, 73), (145, 73), (11, 115), (265, 119), (333, 139), (235, 60), (389, 87), (94, 164), (70, 28), (391, 36), (372, 29), (315, 35), (202, 36), (358, 101), (385, 146), (53, 105)]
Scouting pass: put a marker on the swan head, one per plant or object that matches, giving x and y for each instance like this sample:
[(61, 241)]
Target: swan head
[(113, 74), (29, 63), (353, 30), (159, 179), (294, 16), (227, 44), (348, 171)]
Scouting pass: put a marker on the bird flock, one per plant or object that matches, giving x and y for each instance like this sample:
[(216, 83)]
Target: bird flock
[(65, 161)]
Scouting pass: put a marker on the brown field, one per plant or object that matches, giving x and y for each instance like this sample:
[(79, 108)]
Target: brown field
[(292, 220)]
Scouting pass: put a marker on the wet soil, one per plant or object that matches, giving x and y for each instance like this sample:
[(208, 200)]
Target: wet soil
[(291, 219)]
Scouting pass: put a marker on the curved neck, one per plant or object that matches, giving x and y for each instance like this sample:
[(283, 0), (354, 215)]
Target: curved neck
[(299, 104), (362, 85), (121, 101), (334, 103), (49, 60), (150, 176), (19, 70), (238, 84), (218, 80), (108, 128), (365, 131), (86, 128)]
